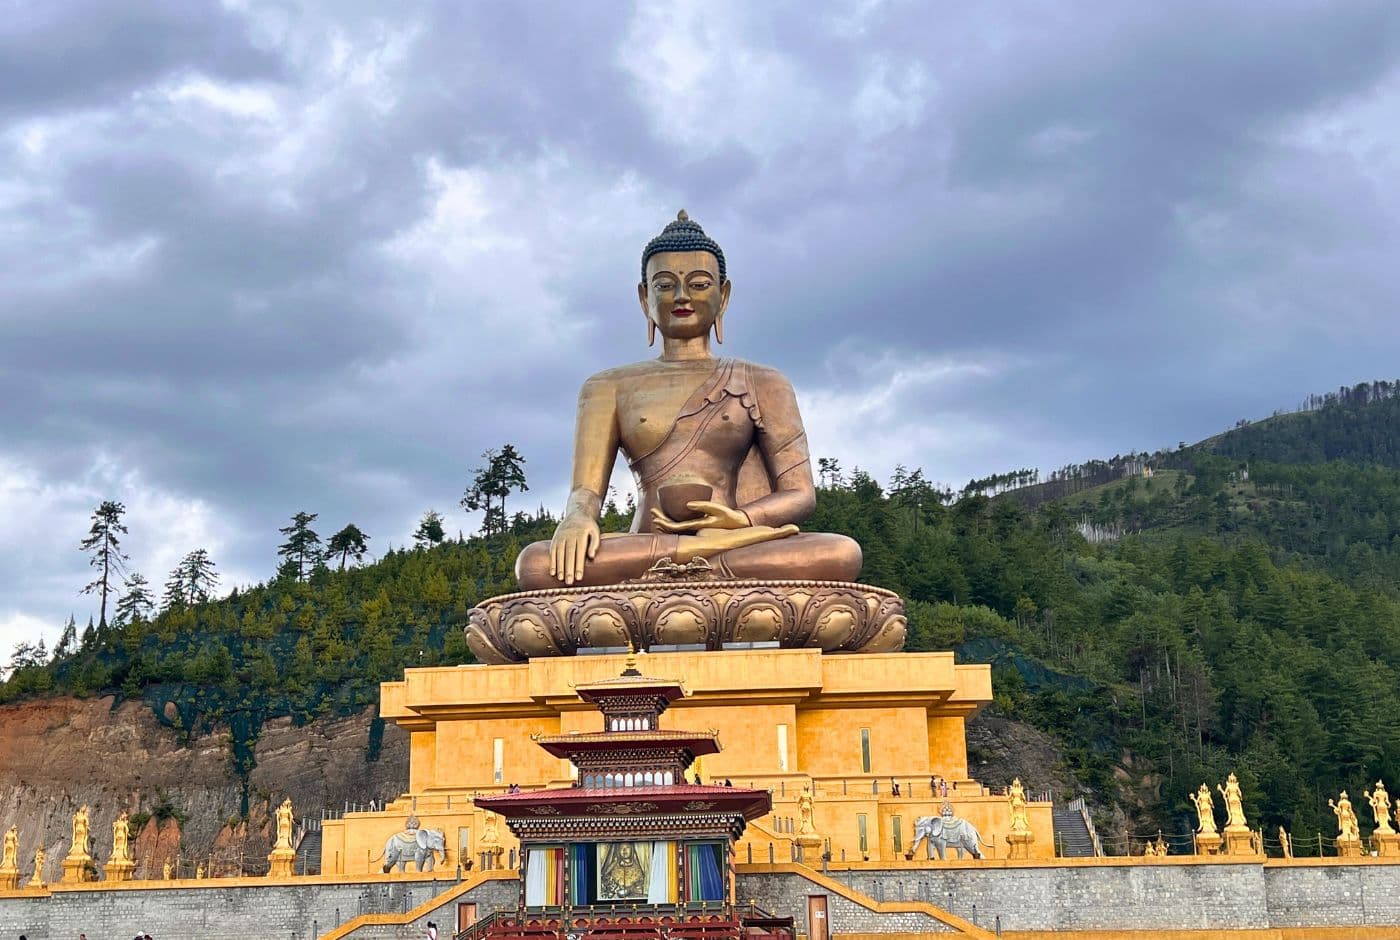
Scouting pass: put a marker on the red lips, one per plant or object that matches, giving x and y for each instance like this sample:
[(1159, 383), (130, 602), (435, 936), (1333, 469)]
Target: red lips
[(682, 312)]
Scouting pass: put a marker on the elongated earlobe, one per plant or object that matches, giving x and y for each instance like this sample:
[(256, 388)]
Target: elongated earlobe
[(651, 332), (719, 331)]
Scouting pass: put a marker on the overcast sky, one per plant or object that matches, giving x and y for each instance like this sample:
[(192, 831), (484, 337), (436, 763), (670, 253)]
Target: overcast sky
[(258, 258)]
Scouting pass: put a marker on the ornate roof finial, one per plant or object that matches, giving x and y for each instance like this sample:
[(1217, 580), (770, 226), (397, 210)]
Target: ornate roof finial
[(631, 667)]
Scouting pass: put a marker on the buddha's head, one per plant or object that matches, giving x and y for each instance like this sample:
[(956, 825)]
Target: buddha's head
[(684, 289)]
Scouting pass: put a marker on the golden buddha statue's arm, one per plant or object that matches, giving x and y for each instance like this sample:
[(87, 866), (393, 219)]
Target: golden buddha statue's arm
[(782, 442), (577, 537)]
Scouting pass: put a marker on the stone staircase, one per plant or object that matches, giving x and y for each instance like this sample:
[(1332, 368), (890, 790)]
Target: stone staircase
[(1072, 836), (309, 853)]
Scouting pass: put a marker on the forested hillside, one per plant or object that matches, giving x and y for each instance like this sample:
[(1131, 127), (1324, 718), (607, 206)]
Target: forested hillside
[(1234, 611)]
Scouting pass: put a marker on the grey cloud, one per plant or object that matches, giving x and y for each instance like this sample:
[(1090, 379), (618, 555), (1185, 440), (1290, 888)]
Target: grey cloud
[(225, 302)]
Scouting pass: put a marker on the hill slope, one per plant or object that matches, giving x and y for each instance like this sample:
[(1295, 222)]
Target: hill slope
[(1247, 624)]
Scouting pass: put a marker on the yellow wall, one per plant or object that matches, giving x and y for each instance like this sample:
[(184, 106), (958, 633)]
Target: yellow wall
[(914, 704)]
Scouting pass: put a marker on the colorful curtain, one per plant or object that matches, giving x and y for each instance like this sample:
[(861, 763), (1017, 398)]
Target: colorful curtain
[(662, 886), (704, 860), (544, 877), (583, 864)]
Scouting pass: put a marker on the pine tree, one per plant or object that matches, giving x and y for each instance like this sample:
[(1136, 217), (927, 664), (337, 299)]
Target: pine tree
[(504, 472), (303, 546), (136, 603), (104, 543), (67, 640), (192, 582), (429, 531), (349, 542)]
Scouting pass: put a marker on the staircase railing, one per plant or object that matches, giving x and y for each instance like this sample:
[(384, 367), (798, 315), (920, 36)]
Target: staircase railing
[(1078, 805), (480, 927)]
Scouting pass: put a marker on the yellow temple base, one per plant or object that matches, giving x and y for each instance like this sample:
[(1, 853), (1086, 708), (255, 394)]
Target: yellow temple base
[(851, 725)]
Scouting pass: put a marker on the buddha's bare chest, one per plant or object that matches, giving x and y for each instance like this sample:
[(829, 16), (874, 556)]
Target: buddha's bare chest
[(647, 408)]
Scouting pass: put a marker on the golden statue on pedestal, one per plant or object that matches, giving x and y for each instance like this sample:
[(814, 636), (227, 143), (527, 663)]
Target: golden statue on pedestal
[(1234, 803), (1016, 798), (81, 834), (38, 880), (805, 824), (719, 455), (1348, 829), (9, 861), (76, 863), (120, 864), (1380, 805), (284, 825), (1205, 811), (281, 860)]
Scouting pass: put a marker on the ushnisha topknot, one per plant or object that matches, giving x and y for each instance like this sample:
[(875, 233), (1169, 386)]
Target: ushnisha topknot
[(683, 235)]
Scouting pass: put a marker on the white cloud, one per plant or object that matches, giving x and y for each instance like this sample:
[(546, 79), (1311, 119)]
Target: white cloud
[(46, 518), (890, 413)]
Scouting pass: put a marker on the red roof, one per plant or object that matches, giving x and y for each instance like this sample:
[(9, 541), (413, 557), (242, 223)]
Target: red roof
[(752, 803), (562, 745)]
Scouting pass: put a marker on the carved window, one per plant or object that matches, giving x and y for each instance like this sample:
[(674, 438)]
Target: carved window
[(865, 750)]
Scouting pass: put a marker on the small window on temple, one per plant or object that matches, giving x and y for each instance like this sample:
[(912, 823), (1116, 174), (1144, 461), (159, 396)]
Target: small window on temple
[(668, 778), (865, 750), (860, 829), (897, 826)]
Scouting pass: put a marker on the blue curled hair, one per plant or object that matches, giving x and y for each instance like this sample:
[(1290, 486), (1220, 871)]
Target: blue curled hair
[(683, 235)]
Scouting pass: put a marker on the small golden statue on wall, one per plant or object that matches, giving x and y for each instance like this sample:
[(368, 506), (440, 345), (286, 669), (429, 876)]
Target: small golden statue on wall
[(1238, 838), (38, 880), (77, 864), (1384, 839), (1020, 837), (120, 864), (1348, 829), (807, 836), (282, 859), (166, 870), (1286, 842), (9, 861), (1207, 837)]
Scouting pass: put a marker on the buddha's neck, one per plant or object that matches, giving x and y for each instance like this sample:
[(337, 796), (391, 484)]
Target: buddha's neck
[(692, 349)]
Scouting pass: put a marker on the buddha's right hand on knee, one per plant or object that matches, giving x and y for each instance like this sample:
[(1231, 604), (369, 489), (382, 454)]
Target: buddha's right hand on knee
[(575, 541)]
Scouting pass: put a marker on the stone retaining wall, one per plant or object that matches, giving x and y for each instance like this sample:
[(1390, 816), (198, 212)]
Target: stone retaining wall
[(1074, 895), (1101, 894), (299, 910)]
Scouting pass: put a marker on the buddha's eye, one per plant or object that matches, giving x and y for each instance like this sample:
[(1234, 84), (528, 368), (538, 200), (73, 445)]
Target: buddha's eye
[(700, 285)]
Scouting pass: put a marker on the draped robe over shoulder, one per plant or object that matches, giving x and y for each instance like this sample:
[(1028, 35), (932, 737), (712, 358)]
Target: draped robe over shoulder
[(741, 433)]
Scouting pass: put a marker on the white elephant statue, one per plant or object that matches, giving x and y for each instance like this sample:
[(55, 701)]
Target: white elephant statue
[(944, 831), (418, 845)]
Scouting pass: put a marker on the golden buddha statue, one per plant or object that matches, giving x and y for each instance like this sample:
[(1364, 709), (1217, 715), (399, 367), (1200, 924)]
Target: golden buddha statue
[(723, 476), (717, 448)]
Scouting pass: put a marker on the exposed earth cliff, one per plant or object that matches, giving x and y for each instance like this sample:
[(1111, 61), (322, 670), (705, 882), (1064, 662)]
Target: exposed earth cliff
[(184, 797)]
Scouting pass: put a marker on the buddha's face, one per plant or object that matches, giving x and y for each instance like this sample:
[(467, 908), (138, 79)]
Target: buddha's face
[(682, 293)]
